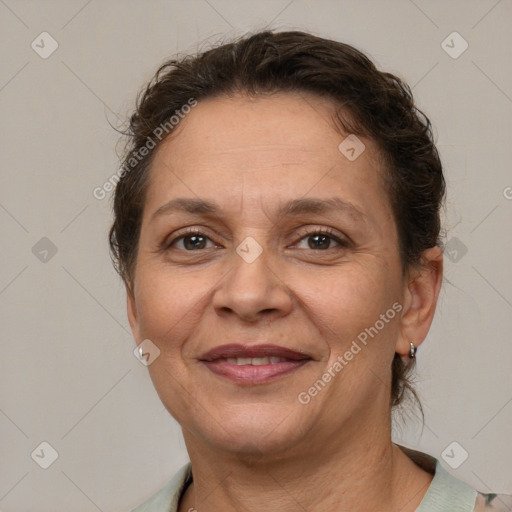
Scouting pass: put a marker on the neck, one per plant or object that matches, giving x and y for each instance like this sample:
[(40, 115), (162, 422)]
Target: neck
[(370, 474)]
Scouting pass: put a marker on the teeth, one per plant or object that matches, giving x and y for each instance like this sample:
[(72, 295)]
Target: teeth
[(259, 360), (255, 361)]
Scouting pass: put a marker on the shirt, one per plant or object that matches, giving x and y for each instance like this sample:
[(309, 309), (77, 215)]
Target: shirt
[(445, 493)]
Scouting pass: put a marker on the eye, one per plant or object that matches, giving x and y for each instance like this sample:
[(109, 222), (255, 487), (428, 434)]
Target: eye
[(191, 240), (319, 240), (322, 240)]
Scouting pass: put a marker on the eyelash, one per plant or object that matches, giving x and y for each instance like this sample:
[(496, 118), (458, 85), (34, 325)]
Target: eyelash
[(324, 231)]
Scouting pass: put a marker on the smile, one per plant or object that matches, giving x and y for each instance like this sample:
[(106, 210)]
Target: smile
[(254, 361), (251, 371)]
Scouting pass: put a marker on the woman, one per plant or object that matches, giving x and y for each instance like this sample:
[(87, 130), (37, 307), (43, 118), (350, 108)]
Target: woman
[(277, 229)]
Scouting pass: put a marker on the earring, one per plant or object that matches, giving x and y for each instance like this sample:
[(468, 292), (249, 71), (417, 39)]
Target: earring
[(412, 350)]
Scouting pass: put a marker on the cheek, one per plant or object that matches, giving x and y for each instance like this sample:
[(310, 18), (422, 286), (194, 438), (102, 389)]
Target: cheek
[(346, 310), (169, 303), (341, 304), (169, 307), (344, 303)]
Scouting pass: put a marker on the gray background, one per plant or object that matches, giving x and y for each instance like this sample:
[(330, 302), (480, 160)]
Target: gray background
[(68, 373)]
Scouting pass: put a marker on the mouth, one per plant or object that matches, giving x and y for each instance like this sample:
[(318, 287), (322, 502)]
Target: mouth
[(256, 364)]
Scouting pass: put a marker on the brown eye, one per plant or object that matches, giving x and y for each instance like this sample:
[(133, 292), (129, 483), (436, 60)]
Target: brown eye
[(322, 241), (191, 241), (319, 241)]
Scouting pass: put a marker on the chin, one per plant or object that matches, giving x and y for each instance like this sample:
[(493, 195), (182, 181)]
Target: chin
[(253, 435)]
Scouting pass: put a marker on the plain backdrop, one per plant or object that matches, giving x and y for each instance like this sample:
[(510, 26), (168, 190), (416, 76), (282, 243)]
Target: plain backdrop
[(68, 374)]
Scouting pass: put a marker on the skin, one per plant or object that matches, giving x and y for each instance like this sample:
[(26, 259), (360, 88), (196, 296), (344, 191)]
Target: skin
[(258, 444)]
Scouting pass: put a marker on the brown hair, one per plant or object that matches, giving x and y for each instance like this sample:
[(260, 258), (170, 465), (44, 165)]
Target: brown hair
[(379, 105)]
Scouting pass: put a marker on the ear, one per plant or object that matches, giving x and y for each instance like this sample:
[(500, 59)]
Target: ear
[(421, 290), (131, 309)]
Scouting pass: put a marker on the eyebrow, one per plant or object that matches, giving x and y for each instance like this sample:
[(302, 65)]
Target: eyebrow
[(294, 207)]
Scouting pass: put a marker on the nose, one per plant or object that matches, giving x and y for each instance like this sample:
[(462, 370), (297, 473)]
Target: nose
[(253, 290)]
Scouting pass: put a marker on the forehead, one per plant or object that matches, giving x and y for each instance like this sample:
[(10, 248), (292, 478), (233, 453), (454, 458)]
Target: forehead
[(273, 145), (285, 123)]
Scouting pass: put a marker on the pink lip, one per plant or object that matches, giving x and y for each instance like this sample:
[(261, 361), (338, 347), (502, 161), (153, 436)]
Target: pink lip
[(237, 350), (253, 374)]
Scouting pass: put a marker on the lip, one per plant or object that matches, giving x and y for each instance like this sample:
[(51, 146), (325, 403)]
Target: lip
[(238, 350), (215, 361)]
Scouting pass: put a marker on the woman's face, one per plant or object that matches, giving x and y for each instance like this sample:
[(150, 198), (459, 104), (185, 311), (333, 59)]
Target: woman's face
[(259, 269)]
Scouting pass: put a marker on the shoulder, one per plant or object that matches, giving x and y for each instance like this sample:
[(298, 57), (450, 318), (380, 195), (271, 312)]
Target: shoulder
[(446, 492), (493, 503), (166, 499)]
